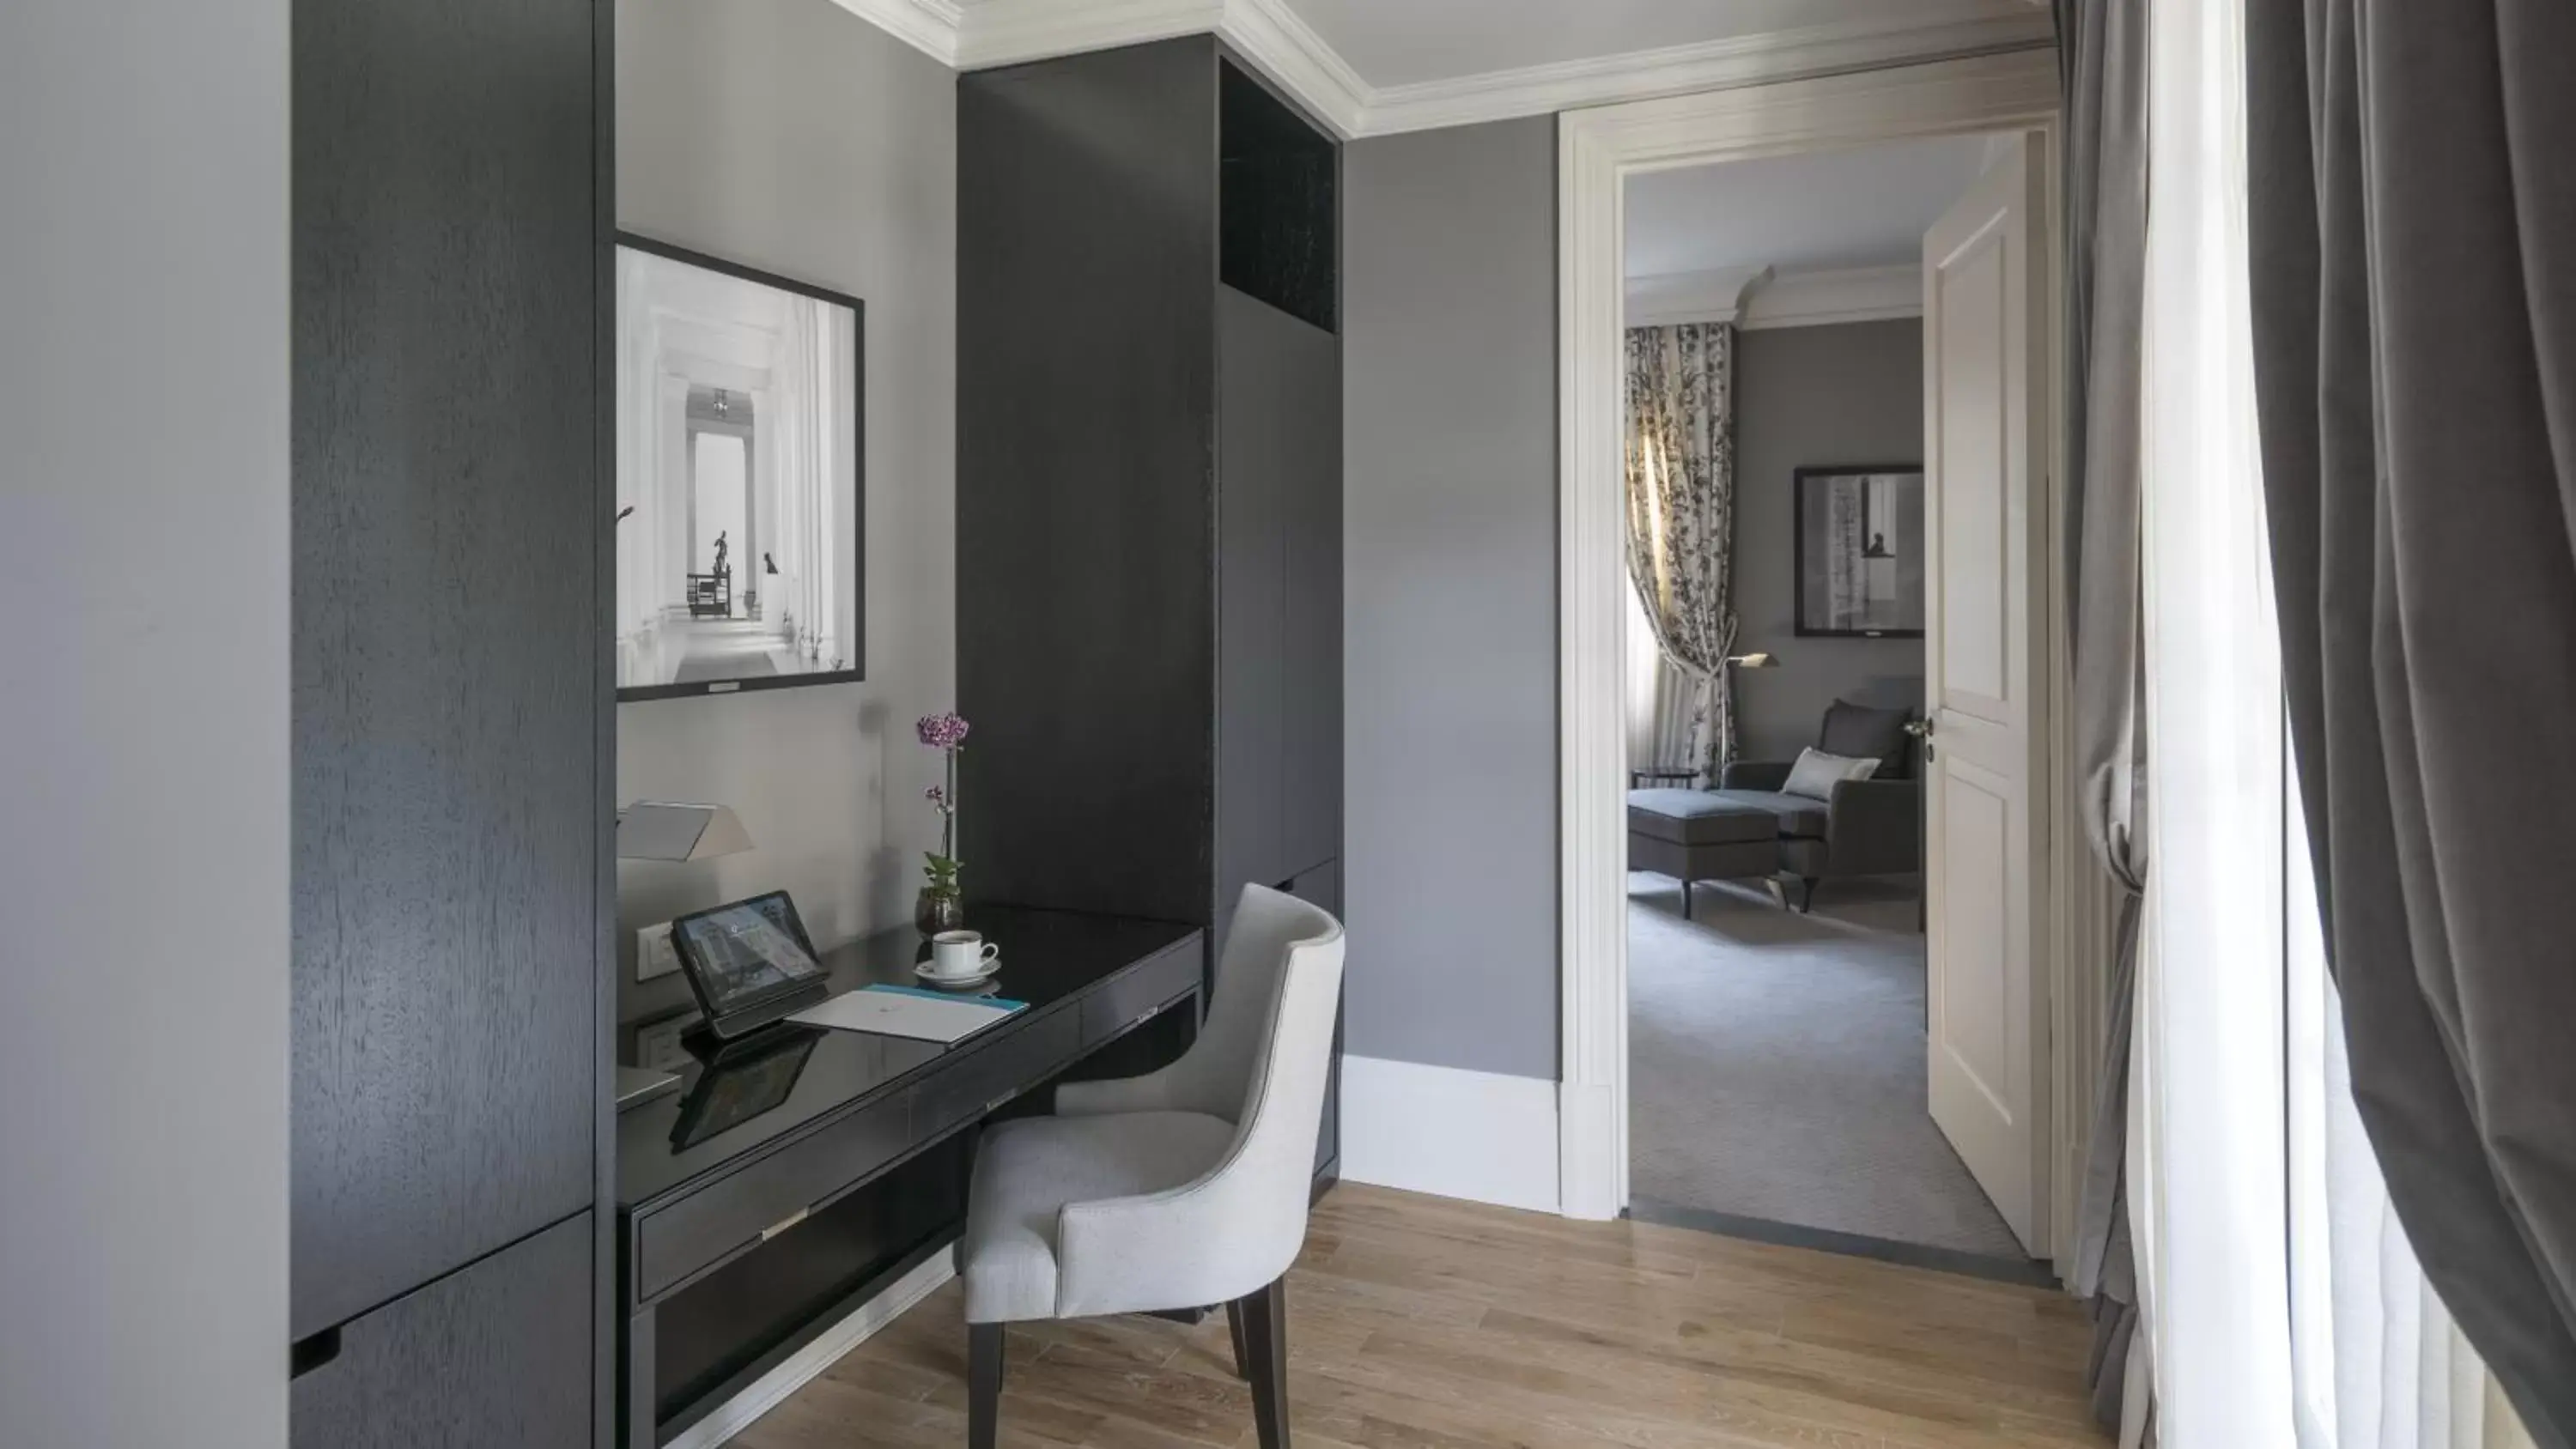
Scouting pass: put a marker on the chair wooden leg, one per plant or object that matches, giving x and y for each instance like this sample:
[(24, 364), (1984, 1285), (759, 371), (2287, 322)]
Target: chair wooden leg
[(983, 1385), (1807, 902), (1686, 898), (1234, 1330), (1265, 1334)]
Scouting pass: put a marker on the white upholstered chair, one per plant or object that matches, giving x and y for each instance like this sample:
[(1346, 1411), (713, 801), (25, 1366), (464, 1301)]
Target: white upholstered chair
[(1175, 1190)]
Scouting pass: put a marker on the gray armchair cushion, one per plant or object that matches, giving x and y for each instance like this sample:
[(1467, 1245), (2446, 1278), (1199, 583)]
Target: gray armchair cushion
[(1696, 817), (1869, 733), (1790, 814)]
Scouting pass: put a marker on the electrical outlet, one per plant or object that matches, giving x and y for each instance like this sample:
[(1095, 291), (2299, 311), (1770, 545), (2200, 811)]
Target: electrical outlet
[(653, 953), (658, 1048)]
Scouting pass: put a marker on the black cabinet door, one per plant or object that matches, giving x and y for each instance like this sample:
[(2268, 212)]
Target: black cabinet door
[(448, 626), (1310, 383), (1279, 646), (1253, 482), (494, 1357)]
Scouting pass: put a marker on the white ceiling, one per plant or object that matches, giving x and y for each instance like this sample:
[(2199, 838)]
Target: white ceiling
[(1817, 211), (1413, 42)]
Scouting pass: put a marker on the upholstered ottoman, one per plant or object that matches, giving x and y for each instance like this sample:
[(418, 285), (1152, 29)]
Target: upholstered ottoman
[(1698, 835)]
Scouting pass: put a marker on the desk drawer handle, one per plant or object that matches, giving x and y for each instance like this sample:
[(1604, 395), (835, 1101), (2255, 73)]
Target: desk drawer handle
[(1148, 1016), (783, 1224)]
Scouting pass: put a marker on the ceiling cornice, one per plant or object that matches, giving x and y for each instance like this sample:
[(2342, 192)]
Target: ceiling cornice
[(929, 26), (1677, 70), (1756, 298), (1270, 34)]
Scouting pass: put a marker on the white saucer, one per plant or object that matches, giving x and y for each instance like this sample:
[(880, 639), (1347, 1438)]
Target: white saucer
[(991, 969)]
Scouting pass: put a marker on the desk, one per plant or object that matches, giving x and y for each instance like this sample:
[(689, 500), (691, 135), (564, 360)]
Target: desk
[(759, 1207)]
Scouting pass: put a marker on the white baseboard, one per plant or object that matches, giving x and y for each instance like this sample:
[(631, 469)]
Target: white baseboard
[(1450, 1132), (736, 1413)]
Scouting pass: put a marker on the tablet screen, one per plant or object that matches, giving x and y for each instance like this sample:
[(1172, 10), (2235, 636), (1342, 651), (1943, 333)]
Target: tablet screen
[(744, 951)]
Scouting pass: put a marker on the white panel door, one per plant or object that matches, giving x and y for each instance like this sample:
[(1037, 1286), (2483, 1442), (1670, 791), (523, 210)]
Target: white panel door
[(1983, 309)]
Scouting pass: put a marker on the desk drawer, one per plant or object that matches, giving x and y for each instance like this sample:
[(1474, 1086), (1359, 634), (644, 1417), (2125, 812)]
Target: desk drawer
[(980, 1078), (678, 1240), (1140, 993)]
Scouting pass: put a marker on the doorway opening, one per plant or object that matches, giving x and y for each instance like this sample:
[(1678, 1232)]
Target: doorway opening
[(1904, 1062), (1776, 908)]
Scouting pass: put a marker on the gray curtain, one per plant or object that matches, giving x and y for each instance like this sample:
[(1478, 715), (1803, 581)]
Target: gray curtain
[(1681, 516), (2102, 45), (2412, 178)]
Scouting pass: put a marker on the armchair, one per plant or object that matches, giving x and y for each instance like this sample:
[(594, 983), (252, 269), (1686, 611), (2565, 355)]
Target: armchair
[(1866, 827)]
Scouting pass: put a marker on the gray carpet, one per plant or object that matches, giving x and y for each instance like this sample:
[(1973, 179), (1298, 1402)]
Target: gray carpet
[(1776, 1065)]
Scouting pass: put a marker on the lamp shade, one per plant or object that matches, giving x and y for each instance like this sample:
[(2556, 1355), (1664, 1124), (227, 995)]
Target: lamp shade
[(667, 830), (1756, 660)]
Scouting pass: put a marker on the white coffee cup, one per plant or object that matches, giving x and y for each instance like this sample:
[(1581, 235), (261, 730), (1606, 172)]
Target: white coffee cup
[(961, 953)]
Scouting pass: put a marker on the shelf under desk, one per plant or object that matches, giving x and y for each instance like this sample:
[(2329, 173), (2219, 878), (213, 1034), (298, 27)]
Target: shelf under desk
[(757, 1209)]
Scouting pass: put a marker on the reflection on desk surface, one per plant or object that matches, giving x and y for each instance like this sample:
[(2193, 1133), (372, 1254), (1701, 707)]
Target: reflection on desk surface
[(754, 1080), (1046, 956)]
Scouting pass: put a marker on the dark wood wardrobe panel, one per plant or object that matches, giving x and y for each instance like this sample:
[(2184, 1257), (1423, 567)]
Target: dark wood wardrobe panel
[(1086, 451), (449, 781), (1279, 723), (1254, 504), (495, 1357), (1310, 400)]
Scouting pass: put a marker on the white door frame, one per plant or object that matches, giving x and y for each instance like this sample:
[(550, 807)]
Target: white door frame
[(1597, 150)]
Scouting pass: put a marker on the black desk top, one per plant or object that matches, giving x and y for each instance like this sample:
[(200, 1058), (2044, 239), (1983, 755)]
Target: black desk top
[(1046, 957)]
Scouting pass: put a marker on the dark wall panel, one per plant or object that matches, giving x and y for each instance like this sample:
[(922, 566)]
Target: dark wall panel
[(447, 627), (1085, 457), (495, 1357)]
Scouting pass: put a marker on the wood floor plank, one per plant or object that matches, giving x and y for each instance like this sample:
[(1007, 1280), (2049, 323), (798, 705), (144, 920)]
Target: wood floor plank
[(1422, 1323)]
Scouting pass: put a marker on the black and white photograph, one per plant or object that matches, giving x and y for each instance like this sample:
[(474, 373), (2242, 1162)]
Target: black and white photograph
[(738, 463), (1860, 551)]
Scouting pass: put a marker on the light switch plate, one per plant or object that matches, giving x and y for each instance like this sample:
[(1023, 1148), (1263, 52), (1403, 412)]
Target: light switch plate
[(653, 953)]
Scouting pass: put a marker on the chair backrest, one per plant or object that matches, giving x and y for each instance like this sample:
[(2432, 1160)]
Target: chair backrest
[(1269, 1033), (1216, 1074)]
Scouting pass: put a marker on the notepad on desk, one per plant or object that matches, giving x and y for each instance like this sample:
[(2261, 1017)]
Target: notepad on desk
[(909, 1011)]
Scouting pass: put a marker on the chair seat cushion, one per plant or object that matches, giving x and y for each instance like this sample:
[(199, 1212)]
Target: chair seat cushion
[(1789, 814), (1027, 1169), (1698, 817)]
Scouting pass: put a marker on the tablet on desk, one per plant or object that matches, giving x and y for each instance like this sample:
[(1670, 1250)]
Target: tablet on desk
[(749, 963)]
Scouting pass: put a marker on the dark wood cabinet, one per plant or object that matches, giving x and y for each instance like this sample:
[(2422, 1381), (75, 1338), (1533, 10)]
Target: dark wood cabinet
[(1149, 484), (496, 1356), (449, 744)]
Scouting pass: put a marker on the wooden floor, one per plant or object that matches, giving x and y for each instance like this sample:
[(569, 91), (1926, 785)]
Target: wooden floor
[(1421, 1323)]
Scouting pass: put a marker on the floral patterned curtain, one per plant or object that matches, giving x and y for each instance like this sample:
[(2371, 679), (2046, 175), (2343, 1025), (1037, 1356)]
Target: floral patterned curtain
[(1681, 516)]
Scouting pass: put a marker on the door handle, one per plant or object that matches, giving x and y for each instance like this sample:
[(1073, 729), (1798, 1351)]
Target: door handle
[(1921, 729)]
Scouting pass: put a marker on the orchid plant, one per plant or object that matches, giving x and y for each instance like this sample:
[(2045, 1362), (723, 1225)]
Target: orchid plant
[(945, 733)]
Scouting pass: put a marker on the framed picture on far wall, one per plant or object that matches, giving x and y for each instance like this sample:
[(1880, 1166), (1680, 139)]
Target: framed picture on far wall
[(740, 506), (1860, 551)]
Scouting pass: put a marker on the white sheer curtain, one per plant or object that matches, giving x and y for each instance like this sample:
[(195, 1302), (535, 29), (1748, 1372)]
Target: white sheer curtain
[(2212, 996), (1658, 702), (2281, 1299)]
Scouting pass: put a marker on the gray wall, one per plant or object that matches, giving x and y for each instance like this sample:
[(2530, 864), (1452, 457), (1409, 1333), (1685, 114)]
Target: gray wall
[(1851, 393), (792, 136), (1449, 365), (143, 569)]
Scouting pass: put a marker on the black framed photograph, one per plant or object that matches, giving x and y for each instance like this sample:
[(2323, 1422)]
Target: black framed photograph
[(740, 460), (1860, 551)]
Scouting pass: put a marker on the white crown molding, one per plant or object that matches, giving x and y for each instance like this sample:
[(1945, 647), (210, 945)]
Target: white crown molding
[(978, 34), (1756, 298), (1743, 60), (1668, 298), (1822, 299), (929, 26), (1272, 35)]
